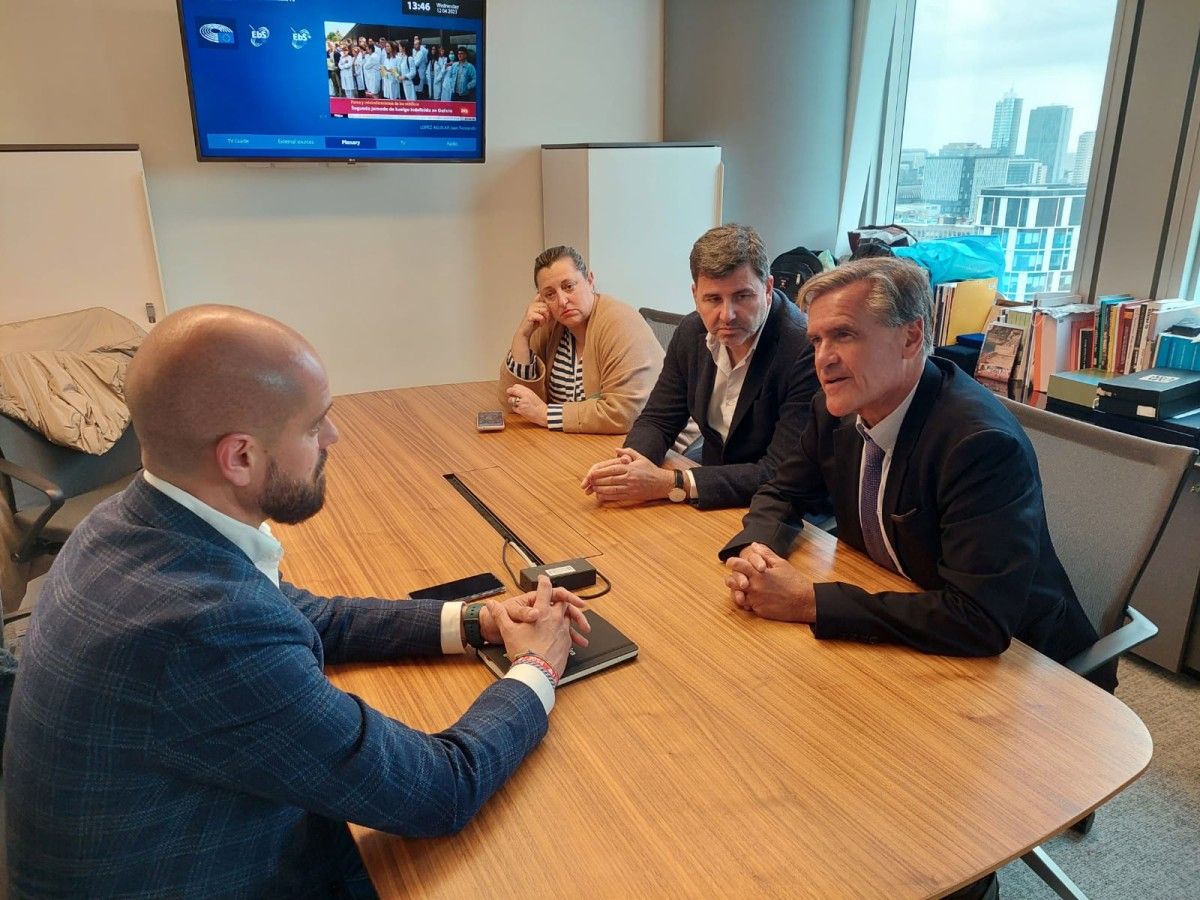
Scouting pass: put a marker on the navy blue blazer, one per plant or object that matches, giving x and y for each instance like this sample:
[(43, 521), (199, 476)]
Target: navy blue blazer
[(963, 512), (172, 731), (770, 414)]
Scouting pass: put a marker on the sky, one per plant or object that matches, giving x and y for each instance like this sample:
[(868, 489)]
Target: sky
[(967, 54)]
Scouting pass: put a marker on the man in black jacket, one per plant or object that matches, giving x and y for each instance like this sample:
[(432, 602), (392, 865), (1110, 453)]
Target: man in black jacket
[(740, 366), (929, 475)]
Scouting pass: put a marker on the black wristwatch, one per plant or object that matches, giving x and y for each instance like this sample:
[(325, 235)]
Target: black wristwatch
[(472, 629), (677, 494)]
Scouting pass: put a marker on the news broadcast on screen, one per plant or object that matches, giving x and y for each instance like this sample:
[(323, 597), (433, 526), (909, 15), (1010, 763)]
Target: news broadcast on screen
[(279, 80)]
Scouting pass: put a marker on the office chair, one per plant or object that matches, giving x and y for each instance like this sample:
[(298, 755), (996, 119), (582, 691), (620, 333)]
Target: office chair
[(48, 489), (662, 323), (1108, 497)]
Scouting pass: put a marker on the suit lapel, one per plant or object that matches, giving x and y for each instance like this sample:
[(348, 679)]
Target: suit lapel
[(906, 442), (704, 376)]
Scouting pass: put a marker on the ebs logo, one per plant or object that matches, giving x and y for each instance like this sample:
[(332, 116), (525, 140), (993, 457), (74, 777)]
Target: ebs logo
[(218, 32), (301, 38), (258, 36)]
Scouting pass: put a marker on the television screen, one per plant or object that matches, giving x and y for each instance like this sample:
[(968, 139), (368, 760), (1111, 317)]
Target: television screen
[(335, 80)]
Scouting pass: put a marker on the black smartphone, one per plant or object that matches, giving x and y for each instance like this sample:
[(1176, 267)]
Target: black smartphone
[(473, 587)]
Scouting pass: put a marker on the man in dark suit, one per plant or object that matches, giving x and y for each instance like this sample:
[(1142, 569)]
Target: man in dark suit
[(740, 366), (929, 475), (172, 731)]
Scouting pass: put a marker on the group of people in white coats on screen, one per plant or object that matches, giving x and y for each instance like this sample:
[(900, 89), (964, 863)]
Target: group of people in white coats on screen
[(396, 70)]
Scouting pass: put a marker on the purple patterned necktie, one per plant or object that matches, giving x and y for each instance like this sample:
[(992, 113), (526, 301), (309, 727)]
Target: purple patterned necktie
[(868, 505)]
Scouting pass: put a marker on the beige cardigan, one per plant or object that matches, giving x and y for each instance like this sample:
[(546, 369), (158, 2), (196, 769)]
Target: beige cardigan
[(621, 362)]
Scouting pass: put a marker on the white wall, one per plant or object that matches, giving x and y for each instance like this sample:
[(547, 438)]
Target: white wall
[(634, 212), (767, 80), (399, 274)]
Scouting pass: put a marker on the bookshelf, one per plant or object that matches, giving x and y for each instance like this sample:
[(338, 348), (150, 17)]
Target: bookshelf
[(1066, 349)]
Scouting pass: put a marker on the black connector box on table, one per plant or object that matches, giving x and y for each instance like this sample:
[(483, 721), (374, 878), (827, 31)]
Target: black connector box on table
[(571, 574)]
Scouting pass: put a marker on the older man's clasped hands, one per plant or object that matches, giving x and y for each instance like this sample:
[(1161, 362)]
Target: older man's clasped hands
[(764, 583)]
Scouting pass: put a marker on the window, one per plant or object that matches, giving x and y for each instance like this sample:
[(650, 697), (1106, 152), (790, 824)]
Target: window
[(989, 211), (997, 129), (1031, 239), (1049, 212), (1027, 260), (1060, 260)]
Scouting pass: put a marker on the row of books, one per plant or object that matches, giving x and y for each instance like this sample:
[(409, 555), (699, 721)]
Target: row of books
[(961, 307), (1179, 347), (1130, 335), (1025, 344)]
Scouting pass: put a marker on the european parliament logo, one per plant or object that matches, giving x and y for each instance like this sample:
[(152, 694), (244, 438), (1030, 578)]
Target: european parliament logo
[(218, 32)]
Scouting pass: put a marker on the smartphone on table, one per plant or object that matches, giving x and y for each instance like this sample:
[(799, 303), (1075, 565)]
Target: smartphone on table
[(489, 421), (473, 587)]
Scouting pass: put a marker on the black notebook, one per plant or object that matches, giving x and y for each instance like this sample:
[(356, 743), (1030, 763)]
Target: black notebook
[(606, 647)]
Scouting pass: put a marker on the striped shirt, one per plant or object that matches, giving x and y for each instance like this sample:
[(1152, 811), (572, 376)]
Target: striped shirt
[(564, 383)]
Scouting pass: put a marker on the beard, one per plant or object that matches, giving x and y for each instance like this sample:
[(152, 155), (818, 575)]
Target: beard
[(292, 500)]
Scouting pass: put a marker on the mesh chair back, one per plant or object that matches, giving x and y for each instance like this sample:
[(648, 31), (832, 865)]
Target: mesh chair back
[(662, 323), (1108, 496), (73, 471)]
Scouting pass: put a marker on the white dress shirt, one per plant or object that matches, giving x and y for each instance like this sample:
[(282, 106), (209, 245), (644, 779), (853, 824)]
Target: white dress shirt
[(727, 390)]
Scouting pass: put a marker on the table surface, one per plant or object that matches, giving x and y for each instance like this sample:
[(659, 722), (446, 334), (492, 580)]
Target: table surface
[(734, 756)]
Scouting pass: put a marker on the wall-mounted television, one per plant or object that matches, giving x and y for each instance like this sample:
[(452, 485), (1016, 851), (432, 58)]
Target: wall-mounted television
[(335, 80)]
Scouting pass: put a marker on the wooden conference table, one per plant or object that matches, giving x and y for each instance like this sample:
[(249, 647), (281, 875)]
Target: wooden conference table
[(735, 756)]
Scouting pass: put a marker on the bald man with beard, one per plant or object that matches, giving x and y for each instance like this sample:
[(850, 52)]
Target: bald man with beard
[(172, 731)]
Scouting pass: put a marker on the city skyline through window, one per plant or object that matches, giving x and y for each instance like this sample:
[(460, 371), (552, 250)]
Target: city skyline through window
[(999, 128)]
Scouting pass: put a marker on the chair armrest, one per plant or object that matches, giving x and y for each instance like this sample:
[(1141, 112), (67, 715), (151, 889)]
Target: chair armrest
[(53, 493), (1136, 631), (27, 476)]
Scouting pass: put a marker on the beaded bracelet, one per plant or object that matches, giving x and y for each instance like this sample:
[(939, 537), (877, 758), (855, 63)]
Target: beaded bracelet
[(539, 662)]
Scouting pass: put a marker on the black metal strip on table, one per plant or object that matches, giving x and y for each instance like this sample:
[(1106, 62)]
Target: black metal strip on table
[(492, 519)]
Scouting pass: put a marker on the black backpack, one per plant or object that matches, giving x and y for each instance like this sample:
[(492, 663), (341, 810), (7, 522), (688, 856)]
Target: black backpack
[(790, 270)]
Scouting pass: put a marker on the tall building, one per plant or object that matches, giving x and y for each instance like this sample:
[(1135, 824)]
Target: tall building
[(1083, 158), (947, 183), (1006, 124), (909, 176), (954, 178), (1025, 171), (1046, 139), (1038, 227)]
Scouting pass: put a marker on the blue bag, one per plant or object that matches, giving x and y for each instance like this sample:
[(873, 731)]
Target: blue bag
[(957, 258)]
